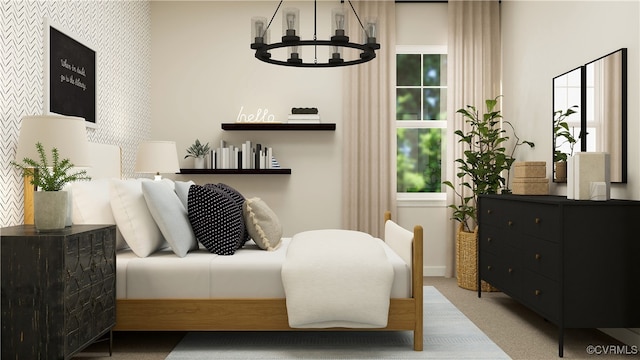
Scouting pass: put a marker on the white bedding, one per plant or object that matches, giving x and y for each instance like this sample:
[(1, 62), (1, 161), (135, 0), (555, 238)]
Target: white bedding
[(249, 273), (337, 278)]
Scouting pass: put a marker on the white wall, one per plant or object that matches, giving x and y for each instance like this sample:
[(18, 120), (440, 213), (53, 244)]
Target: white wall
[(120, 32), (543, 39), (204, 72)]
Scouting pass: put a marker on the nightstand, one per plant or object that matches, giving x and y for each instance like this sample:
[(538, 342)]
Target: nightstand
[(58, 289)]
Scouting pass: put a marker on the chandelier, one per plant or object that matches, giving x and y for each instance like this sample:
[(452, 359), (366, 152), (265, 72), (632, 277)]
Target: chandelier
[(260, 31)]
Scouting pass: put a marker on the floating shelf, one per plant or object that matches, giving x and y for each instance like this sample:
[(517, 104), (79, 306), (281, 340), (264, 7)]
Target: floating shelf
[(235, 171), (278, 127)]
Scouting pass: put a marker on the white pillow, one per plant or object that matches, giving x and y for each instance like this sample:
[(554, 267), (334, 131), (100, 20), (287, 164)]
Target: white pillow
[(91, 204), (182, 190), (262, 224), (133, 217), (170, 216)]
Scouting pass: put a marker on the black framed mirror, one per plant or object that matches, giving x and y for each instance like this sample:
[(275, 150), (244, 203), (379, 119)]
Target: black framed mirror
[(590, 113)]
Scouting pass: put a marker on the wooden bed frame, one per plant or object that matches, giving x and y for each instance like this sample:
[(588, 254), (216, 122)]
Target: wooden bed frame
[(260, 314)]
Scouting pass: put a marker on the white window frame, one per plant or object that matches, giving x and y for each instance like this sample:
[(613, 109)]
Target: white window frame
[(413, 199)]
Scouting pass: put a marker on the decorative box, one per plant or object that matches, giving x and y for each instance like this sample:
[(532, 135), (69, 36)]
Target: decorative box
[(530, 169), (530, 186)]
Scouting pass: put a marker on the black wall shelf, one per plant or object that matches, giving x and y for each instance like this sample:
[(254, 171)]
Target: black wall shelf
[(278, 127), (278, 171)]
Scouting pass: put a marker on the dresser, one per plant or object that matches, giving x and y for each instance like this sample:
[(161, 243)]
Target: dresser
[(58, 289), (576, 263)]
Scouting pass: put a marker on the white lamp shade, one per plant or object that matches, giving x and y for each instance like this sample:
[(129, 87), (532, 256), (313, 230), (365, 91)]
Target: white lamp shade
[(157, 157), (68, 134)]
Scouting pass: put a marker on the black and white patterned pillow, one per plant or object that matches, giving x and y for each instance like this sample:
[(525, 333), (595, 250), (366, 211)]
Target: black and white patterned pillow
[(239, 199), (215, 219)]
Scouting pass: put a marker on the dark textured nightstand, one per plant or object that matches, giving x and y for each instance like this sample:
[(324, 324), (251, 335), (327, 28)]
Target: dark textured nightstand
[(58, 289)]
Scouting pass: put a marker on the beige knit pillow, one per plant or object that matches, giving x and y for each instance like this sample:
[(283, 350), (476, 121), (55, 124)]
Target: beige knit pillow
[(262, 224)]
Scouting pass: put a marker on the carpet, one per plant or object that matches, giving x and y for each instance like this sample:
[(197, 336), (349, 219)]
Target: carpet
[(448, 334)]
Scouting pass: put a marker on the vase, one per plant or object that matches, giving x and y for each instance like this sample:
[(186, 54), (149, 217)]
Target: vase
[(467, 260), (561, 171), (50, 210), (198, 163)]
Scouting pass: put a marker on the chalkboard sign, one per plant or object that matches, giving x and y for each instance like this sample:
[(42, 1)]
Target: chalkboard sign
[(70, 84)]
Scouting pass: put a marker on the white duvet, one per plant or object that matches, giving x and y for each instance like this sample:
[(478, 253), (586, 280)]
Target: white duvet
[(337, 278)]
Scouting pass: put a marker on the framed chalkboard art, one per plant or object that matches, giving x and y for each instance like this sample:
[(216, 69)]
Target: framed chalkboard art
[(69, 74)]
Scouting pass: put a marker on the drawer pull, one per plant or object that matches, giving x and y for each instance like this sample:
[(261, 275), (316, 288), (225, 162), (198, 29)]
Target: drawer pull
[(489, 268), (510, 270), (538, 292), (538, 256), (538, 221), (510, 223), (489, 211), (488, 239)]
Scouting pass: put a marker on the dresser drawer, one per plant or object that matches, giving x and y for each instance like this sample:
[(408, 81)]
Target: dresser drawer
[(501, 214), (541, 220), (505, 275), (542, 257), (492, 239), (542, 294)]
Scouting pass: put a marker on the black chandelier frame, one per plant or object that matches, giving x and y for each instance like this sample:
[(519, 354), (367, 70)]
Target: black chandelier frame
[(338, 40)]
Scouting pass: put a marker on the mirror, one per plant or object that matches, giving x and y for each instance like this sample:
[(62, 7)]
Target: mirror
[(597, 92), (567, 124)]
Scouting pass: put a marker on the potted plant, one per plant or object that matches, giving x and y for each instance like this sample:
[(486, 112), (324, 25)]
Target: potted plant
[(50, 202), (480, 172), (198, 151), (562, 135)]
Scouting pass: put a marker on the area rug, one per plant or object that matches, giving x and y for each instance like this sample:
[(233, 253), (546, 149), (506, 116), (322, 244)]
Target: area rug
[(448, 334)]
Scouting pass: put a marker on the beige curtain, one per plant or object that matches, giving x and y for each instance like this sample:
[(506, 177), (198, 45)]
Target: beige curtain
[(474, 75), (369, 176)]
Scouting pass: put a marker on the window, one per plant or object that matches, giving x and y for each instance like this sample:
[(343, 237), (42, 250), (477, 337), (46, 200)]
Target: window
[(421, 119)]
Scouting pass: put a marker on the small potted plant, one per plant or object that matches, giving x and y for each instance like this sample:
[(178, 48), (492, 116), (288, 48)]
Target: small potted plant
[(562, 135), (50, 202), (198, 151)]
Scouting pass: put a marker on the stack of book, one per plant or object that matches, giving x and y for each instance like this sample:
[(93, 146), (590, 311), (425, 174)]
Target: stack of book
[(246, 156), (304, 116)]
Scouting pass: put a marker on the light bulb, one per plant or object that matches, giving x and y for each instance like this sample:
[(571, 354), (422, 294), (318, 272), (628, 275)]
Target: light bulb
[(291, 21)]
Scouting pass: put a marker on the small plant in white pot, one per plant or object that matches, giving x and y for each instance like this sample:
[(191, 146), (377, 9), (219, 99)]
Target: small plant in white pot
[(198, 151), (50, 202)]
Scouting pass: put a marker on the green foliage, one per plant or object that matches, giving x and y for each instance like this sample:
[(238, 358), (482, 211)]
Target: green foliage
[(561, 131), (419, 160), (49, 178), (485, 158), (197, 149)]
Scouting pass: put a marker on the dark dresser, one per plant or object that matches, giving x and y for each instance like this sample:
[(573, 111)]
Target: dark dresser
[(576, 263), (58, 289)]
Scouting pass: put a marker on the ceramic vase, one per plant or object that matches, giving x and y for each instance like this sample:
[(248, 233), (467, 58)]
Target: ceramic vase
[(50, 210)]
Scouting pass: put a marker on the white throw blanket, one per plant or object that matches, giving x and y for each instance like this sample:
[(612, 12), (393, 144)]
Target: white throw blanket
[(337, 278)]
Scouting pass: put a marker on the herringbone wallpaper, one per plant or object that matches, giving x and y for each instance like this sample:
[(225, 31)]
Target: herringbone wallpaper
[(120, 31)]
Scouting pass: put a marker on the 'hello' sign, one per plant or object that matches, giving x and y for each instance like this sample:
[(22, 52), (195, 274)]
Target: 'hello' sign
[(261, 115)]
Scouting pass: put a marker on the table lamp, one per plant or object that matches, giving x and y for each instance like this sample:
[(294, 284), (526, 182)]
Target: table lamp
[(68, 134), (157, 157)]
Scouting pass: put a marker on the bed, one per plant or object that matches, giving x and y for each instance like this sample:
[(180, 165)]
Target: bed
[(165, 292)]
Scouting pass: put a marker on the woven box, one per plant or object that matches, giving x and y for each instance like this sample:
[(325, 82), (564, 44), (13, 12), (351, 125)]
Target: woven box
[(530, 186), (530, 169)]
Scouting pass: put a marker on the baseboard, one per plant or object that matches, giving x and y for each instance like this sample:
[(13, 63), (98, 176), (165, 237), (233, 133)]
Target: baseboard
[(434, 271), (627, 336)]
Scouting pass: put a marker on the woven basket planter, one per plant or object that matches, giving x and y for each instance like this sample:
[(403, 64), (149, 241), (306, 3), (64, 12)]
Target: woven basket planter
[(467, 260)]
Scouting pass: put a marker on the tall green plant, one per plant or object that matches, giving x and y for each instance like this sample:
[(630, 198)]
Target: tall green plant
[(485, 158), (49, 177)]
